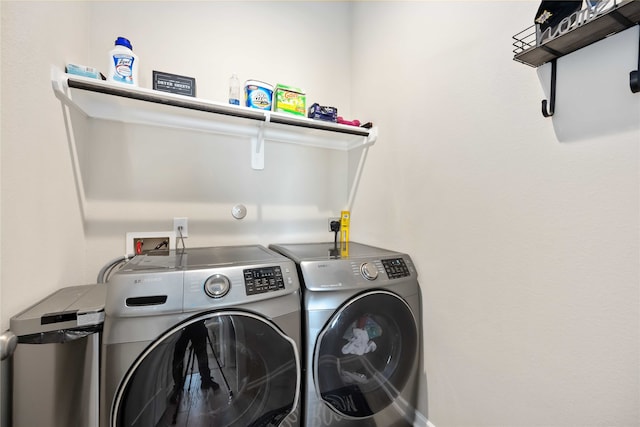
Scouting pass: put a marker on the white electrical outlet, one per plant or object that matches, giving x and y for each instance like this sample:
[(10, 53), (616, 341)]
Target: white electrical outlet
[(181, 222)]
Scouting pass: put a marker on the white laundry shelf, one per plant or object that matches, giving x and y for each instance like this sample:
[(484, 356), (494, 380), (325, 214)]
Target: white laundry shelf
[(112, 101)]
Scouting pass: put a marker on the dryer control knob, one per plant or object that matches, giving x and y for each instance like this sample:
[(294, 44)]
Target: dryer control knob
[(217, 286), (369, 271)]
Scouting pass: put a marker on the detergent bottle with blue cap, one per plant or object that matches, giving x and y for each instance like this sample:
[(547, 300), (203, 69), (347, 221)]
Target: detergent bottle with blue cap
[(123, 63)]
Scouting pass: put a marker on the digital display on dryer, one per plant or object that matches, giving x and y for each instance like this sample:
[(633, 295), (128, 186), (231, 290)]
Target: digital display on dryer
[(396, 268), (264, 279)]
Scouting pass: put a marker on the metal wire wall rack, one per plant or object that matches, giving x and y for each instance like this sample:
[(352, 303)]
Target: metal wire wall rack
[(600, 19), (586, 27)]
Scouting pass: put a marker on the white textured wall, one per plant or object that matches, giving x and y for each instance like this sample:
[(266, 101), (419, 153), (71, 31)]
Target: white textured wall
[(41, 234), (167, 173), (524, 229), (43, 244)]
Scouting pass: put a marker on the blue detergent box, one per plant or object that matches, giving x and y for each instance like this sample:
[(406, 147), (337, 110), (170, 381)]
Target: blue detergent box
[(320, 112), (84, 71)]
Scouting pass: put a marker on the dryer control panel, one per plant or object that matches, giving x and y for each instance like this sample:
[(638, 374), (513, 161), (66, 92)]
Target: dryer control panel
[(322, 269), (396, 268)]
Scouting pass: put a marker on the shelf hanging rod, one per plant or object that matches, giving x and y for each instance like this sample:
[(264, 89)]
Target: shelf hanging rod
[(634, 76), (548, 112)]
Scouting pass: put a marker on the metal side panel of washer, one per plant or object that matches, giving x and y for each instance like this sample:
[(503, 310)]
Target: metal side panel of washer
[(138, 294)]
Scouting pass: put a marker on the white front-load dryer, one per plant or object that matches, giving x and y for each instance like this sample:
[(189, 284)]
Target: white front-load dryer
[(202, 337)]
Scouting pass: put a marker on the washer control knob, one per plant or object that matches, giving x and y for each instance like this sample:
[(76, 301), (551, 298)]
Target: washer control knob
[(369, 271), (217, 286)]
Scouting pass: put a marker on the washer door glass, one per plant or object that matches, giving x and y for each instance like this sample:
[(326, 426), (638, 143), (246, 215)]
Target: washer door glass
[(218, 369), (365, 354)]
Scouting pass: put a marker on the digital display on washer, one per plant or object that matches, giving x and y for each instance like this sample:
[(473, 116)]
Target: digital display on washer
[(264, 279), (396, 268)]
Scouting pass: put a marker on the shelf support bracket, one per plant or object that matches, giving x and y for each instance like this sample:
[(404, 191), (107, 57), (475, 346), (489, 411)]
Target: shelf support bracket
[(548, 112), (634, 76), (257, 150), (257, 146)]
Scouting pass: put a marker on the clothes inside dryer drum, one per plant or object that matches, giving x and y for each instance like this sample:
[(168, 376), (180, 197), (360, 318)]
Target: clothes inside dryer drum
[(365, 353), (218, 369)]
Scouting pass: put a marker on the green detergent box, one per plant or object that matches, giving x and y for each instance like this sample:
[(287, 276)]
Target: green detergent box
[(289, 99)]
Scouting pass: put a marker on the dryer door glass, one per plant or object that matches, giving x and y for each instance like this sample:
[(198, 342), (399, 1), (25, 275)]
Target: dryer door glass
[(217, 369), (365, 354)]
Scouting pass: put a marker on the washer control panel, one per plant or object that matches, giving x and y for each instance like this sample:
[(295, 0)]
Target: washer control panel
[(236, 285), (263, 279), (396, 268)]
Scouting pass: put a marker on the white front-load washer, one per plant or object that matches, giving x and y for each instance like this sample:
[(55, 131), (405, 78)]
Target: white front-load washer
[(362, 327), (202, 337)]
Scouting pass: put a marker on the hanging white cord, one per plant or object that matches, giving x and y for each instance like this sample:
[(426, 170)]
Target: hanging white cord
[(180, 238)]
